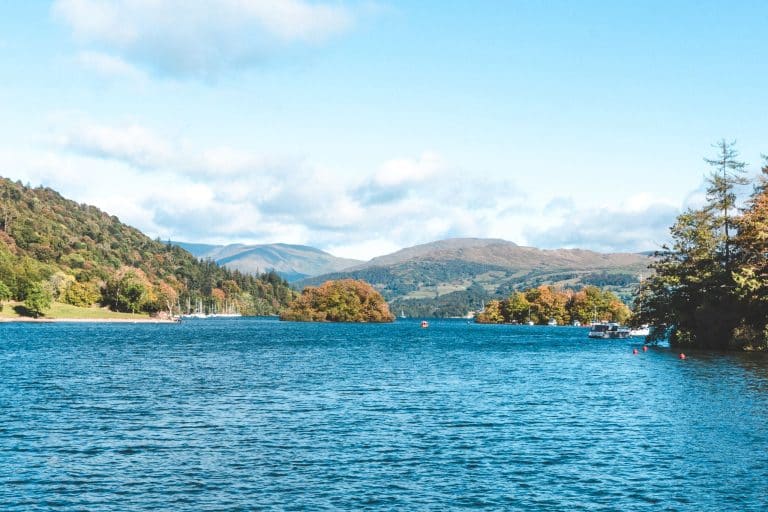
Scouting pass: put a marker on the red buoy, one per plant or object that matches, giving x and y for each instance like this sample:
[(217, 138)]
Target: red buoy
[(681, 356), (645, 348)]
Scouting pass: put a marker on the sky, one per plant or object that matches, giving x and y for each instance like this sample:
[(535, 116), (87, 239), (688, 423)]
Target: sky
[(364, 126)]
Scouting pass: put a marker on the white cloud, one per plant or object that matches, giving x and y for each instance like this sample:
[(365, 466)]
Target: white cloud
[(404, 170), (130, 143), (199, 37), (110, 66), (634, 225)]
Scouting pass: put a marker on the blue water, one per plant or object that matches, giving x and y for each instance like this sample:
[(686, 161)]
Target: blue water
[(253, 414)]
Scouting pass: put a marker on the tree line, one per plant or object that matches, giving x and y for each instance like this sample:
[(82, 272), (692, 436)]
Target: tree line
[(544, 303)]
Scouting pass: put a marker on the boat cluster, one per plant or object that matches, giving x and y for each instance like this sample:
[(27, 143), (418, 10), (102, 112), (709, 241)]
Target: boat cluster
[(611, 330), (210, 315)]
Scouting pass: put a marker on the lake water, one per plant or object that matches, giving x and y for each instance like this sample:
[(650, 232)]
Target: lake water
[(255, 414)]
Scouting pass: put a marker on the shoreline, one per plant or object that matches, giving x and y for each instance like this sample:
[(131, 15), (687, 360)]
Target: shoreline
[(88, 320)]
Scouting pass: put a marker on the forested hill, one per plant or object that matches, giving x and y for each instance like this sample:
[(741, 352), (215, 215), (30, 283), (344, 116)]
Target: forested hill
[(81, 255)]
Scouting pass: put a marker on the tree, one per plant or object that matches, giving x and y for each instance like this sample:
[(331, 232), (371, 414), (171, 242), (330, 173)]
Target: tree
[(751, 275), (516, 307), (5, 294), (167, 297), (82, 294), (728, 173), (38, 299), (58, 284), (345, 300), (128, 290), (492, 313), (693, 292)]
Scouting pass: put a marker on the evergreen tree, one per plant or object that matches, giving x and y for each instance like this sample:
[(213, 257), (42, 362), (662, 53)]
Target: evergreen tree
[(727, 174), (693, 294)]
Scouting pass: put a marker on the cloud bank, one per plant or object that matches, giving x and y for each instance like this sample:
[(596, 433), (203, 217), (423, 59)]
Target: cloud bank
[(174, 189)]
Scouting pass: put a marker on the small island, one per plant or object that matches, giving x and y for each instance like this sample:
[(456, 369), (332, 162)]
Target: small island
[(345, 300)]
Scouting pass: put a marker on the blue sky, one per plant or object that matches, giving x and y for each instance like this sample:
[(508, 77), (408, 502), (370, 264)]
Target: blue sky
[(362, 127)]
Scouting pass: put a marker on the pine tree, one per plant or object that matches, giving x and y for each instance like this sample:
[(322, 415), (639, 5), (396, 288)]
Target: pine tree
[(693, 290)]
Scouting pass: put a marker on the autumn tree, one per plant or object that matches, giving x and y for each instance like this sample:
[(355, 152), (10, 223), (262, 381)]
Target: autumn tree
[(492, 314), (345, 300), (751, 275), (167, 296)]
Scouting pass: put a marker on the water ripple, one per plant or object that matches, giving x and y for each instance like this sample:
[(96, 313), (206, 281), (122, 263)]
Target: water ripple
[(261, 415)]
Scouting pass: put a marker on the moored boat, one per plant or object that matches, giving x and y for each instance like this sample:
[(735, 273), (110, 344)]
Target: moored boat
[(608, 331)]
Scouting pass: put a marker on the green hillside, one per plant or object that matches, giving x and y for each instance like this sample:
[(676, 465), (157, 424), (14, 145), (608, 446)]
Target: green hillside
[(55, 249)]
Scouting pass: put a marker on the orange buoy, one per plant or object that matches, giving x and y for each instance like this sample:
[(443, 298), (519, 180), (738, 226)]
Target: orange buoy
[(681, 356), (645, 348)]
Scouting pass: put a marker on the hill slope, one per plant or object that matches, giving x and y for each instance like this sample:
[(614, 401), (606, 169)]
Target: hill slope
[(452, 277), (78, 254), (292, 262)]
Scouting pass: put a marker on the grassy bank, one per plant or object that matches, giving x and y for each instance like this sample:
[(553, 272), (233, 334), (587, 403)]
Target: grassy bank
[(58, 311)]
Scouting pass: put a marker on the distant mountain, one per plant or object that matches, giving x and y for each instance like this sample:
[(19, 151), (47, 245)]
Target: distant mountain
[(292, 262), (451, 277)]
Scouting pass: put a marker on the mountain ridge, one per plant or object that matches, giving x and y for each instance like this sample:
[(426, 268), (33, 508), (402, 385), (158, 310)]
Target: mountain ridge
[(291, 261)]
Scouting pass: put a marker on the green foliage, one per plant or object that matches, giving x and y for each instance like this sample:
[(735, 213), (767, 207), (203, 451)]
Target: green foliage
[(82, 294), (81, 254), (38, 299), (708, 289), (5, 294), (345, 300)]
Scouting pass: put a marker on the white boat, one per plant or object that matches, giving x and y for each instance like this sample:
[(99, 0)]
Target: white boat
[(552, 321), (608, 331), (576, 323), (643, 330)]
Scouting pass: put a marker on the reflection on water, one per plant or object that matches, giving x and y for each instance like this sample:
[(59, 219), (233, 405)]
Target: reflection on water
[(256, 414)]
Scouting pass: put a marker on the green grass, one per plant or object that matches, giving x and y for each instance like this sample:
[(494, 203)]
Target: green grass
[(13, 310)]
